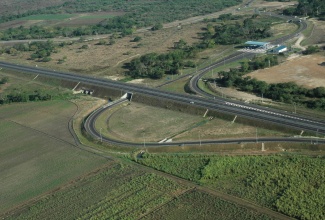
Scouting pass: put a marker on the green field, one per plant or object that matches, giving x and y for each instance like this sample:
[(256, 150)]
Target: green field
[(278, 182), (48, 17), (200, 205), (37, 152), (95, 16)]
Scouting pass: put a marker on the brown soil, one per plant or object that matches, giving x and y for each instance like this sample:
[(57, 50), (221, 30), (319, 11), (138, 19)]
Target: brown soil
[(303, 70)]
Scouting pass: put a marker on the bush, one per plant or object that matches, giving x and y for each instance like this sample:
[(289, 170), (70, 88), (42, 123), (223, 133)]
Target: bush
[(85, 46), (137, 39), (157, 27)]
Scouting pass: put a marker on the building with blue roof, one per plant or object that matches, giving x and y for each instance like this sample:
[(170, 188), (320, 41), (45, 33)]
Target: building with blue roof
[(279, 49), (257, 44)]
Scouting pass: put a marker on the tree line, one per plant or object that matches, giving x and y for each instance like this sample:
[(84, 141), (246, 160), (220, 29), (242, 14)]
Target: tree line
[(313, 8), (138, 14)]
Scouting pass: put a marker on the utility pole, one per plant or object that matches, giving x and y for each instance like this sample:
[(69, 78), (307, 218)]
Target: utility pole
[(262, 97), (294, 104), (101, 137), (200, 138), (256, 136), (144, 140)]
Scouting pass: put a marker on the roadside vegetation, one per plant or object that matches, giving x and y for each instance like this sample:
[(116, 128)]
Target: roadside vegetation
[(279, 182)]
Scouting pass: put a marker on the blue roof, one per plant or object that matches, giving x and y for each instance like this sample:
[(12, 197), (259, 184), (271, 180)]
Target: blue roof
[(257, 43), (280, 48)]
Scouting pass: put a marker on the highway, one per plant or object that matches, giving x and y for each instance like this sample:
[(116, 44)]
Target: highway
[(253, 112)]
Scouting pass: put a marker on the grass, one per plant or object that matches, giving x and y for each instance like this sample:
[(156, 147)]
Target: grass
[(136, 122), (307, 33), (37, 151), (94, 16), (177, 86)]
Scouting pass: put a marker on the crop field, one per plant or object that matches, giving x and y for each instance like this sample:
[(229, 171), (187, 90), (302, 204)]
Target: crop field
[(279, 182), (37, 151), (118, 191), (200, 205)]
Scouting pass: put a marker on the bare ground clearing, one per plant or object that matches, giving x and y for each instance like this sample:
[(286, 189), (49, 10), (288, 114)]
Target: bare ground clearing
[(303, 70)]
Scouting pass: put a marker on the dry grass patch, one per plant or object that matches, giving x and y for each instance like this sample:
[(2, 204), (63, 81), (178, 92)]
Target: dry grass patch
[(218, 128), (317, 33), (303, 70)]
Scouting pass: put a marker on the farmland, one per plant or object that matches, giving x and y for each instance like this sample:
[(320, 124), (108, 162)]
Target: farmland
[(197, 205), (279, 182), (116, 191), (37, 151), (120, 191)]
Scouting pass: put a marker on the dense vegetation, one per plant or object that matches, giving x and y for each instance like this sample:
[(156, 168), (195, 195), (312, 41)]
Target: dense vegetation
[(278, 182), (154, 65), (200, 205), (288, 92), (236, 33), (314, 8), (138, 13)]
